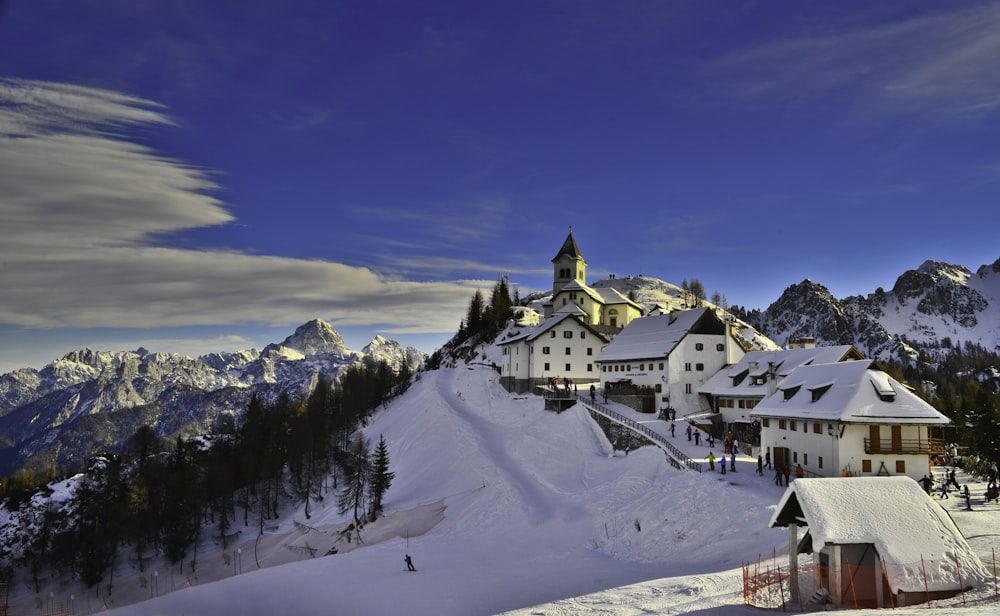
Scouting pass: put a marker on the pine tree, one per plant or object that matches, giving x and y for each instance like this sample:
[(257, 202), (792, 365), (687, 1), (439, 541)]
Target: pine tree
[(381, 477)]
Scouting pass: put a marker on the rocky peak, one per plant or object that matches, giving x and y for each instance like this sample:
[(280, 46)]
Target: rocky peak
[(312, 338)]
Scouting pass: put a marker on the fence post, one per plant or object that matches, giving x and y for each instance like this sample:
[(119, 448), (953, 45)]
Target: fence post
[(927, 591), (892, 594)]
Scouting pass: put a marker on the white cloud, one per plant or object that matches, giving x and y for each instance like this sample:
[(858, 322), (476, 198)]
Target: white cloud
[(942, 63), (81, 208)]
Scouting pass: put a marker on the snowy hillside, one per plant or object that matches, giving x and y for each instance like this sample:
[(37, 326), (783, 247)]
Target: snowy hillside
[(502, 506)]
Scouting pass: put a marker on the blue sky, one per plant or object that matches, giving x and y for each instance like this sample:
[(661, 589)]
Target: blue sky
[(193, 176)]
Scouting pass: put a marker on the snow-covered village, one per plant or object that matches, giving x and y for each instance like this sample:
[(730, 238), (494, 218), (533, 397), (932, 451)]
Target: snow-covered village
[(596, 454)]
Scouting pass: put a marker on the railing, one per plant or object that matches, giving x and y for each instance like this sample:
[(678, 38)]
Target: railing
[(905, 446), (675, 455)]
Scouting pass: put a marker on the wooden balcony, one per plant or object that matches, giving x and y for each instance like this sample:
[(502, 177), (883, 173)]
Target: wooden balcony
[(929, 446)]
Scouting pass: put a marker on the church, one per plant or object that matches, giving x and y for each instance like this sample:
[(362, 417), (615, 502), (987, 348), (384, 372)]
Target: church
[(578, 322)]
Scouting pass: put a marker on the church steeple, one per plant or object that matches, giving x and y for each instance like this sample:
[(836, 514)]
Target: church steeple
[(568, 265)]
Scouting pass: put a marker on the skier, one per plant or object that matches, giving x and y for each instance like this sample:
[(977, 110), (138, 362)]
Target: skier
[(711, 461), (409, 563), (968, 499)]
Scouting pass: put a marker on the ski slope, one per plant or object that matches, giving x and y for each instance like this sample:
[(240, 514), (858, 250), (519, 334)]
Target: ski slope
[(503, 506)]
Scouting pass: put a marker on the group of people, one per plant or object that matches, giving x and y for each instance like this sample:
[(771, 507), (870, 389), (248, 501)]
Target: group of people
[(782, 474)]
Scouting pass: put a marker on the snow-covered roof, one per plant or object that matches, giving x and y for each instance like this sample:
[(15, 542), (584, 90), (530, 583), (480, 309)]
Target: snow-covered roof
[(755, 364), (851, 392), (652, 337), (611, 295), (531, 333), (911, 532)]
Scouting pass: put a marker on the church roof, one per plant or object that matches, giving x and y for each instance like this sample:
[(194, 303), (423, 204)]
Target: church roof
[(655, 336), (569, 249)]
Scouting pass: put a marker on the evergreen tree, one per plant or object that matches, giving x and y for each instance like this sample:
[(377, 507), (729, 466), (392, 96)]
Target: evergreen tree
[(381, 477)]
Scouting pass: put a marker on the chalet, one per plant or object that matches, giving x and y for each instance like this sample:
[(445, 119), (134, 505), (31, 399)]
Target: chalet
[(563, 346), (876, 542), (848, 418), (735, 390), (667, 358), (605, 307)]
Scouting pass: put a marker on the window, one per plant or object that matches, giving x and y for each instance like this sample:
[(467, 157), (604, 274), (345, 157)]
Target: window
[(661, 366), (795, 457), (791, 391), (901, 466), (699, 367), (590, 351), (545, 350), (569, 350), (820, 462), (699, 346), (742, 404), (628, 367), (805, 459), (765, 422), (547, 365), (781, 424), (583, 335), (642, 367), (687, 388), (590, 367), (817, 428), (720, 347), (818, 392), (791, 425), (567, 334), (687, 367), (569, 368), (866, 466), (552, 334)]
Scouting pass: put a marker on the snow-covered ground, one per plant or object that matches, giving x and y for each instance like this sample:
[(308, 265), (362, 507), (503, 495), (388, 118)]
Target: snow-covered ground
[(503, 506)]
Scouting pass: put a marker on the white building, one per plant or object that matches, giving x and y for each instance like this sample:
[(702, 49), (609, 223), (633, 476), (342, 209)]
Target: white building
[(737, 389), (564, 346), (848, 418), (670, 355)]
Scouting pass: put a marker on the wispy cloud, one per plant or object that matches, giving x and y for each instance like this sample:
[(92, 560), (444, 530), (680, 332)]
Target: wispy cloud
[(942, 63), (84, 214)]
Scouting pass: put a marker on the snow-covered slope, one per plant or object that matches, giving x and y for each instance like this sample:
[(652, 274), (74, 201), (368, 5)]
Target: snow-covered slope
[(502, 506)]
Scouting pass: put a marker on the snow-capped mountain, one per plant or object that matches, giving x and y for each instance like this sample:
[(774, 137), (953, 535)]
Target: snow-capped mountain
[(936, 306), (89, 400)]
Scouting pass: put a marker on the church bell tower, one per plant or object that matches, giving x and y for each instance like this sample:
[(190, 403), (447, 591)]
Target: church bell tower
[(568, 265)]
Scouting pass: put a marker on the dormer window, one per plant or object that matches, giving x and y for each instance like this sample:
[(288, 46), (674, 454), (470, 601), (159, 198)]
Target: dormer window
[(818, 392), (791, 391)]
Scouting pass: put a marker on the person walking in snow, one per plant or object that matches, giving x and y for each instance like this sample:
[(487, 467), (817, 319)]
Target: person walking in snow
[(799, 471), (777, 476), (767, 459), (697, 437), (968, 499), (786, 472), (722, 464), (711, 461), (952, 480), (409, 563), (760, 465), (927, 482), (671, 429), (732, 462), (944, 491), (689, 432), (593, 392)]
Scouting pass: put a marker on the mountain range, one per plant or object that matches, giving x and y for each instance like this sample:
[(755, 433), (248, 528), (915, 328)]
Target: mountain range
[(88, 401)]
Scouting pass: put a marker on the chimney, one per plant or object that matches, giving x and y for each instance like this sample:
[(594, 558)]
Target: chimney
[(772, 379)]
